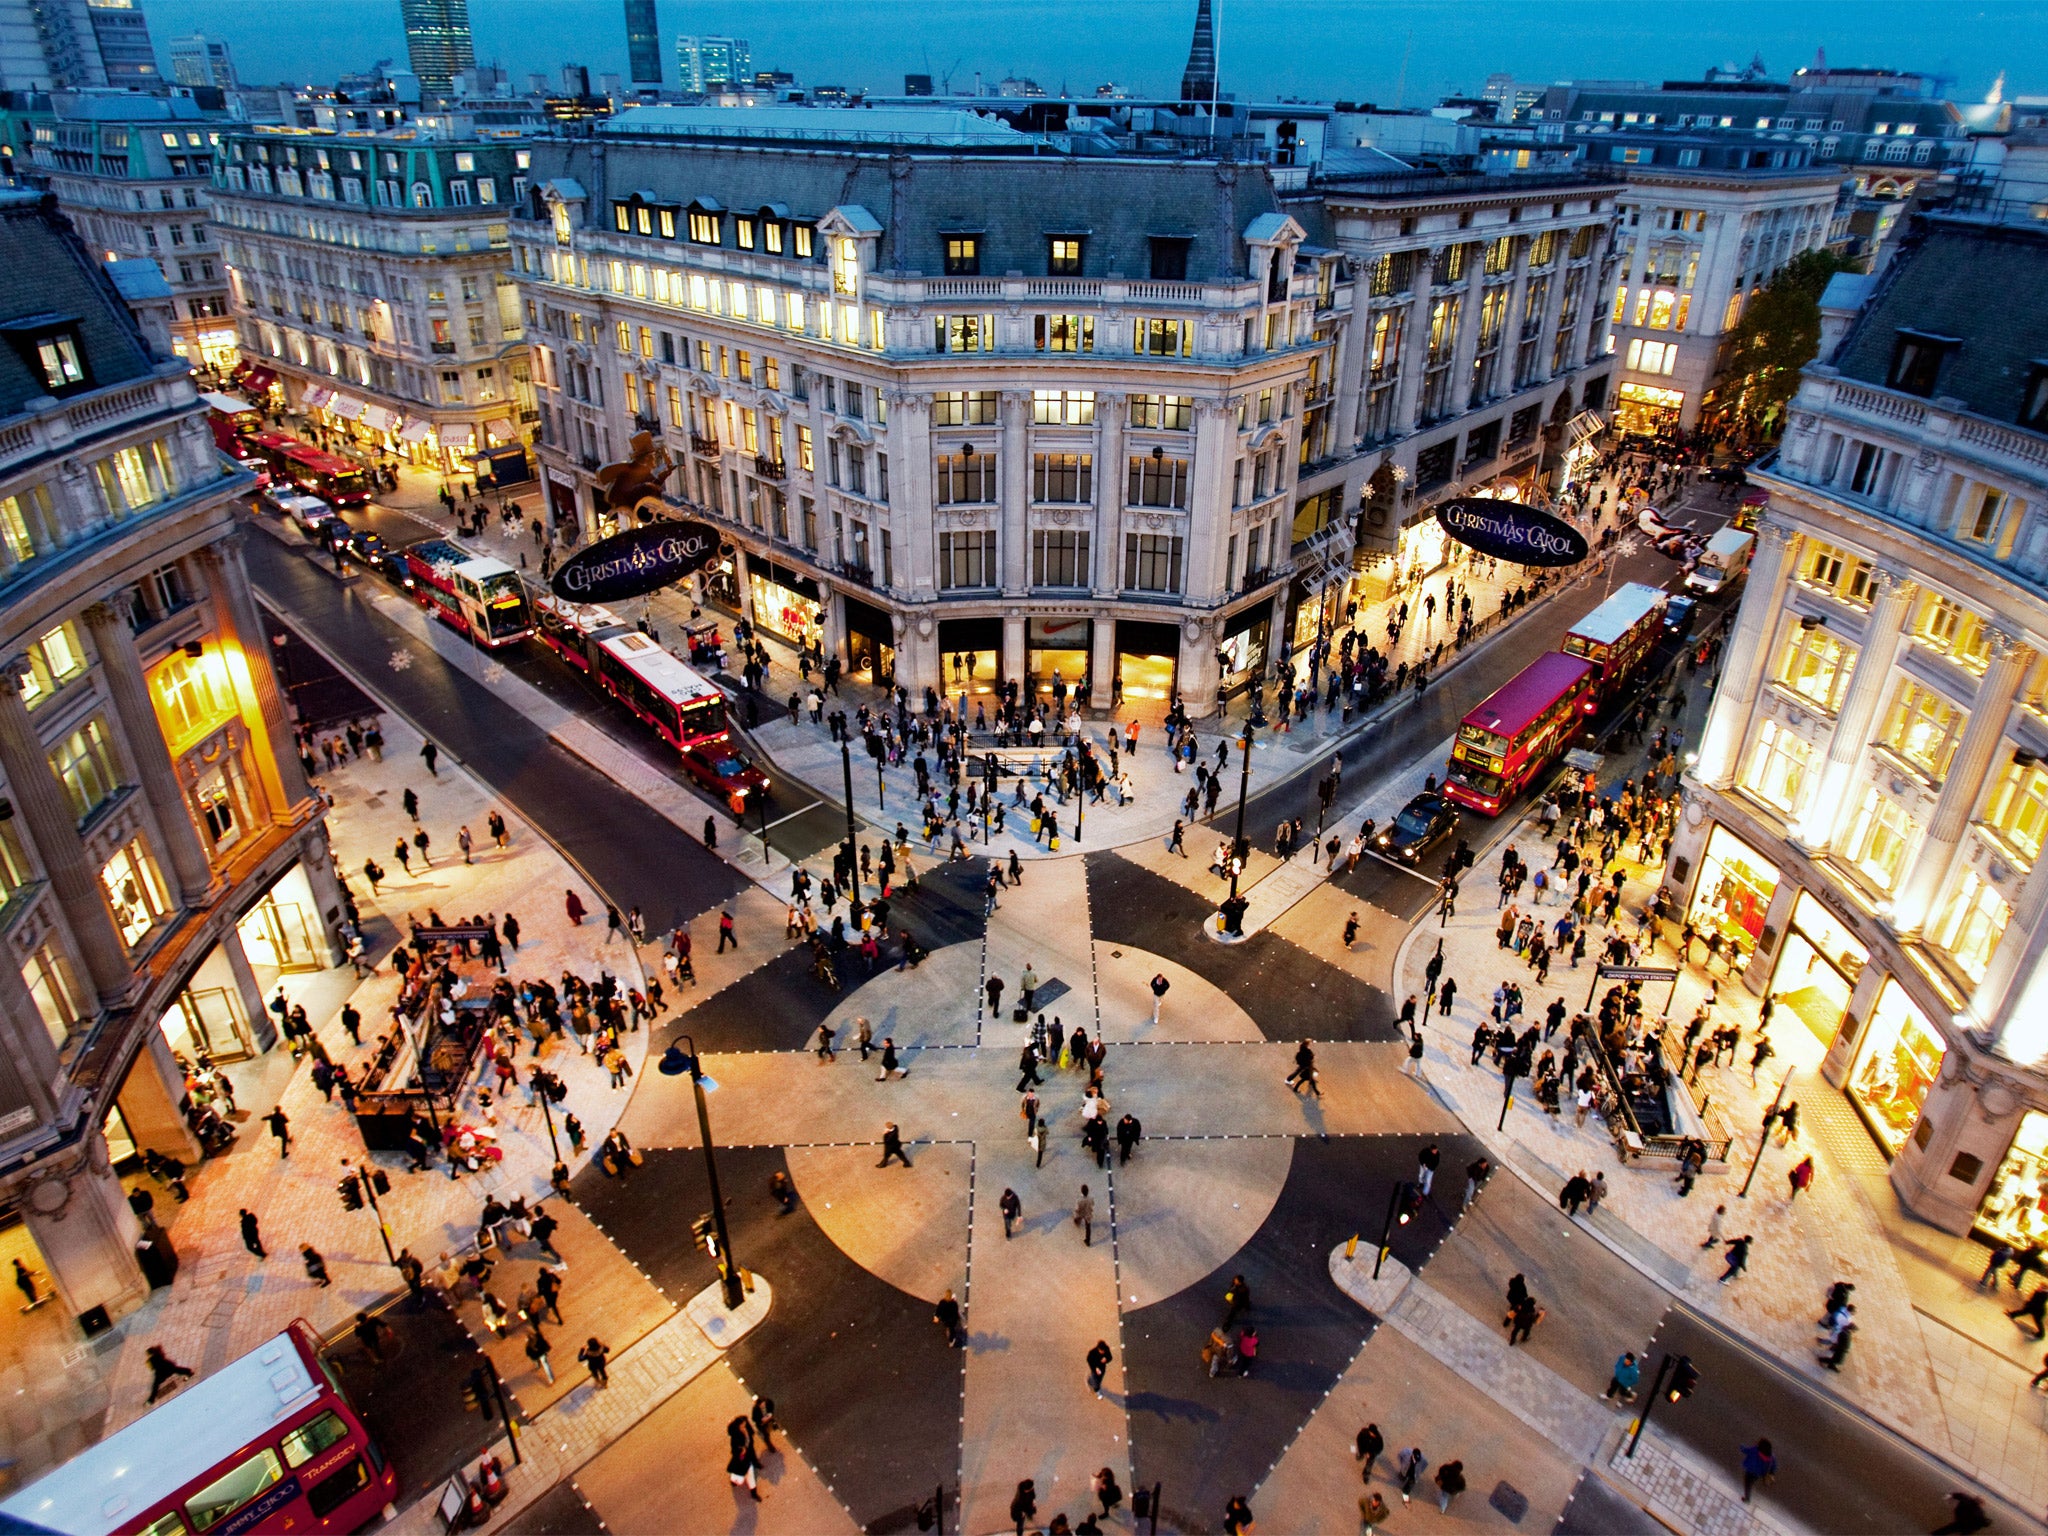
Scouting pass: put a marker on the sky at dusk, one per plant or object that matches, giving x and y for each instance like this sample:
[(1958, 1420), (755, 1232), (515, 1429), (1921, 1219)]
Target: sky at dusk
[(1322, 49)]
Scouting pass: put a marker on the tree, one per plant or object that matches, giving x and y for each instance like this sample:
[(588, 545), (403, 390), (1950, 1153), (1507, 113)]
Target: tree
[(1778, 335)]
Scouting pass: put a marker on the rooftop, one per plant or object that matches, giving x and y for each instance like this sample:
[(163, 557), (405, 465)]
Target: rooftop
[(49, 282), (863, 125)]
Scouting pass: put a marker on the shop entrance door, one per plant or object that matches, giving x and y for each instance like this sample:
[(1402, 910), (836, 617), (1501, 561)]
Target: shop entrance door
[(1807, 985), (1057, 649), (209, 1020), (970, 656), (279, 934), (1147, 663)]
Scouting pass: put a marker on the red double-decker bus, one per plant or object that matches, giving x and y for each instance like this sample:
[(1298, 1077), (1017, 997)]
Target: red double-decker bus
[(333, 479), (1617, 636), (266, 1443), (1520, 730)]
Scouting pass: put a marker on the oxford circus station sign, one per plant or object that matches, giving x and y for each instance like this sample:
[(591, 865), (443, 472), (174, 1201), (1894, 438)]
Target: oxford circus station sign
[(636, 562), (1507, 530)]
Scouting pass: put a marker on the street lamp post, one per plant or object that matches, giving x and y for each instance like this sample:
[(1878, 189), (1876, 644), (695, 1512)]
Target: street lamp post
[(1233, 907), (675, 1061), (846, 763), (1764, 1139), (1387, 1227), (547, 1115)]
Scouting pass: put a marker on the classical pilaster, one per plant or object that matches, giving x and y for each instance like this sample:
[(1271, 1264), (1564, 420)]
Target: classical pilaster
[(53, 829), (1467, 346), (1742, 661), (1348, 382), (1414, 346), (1833, 809), (1962, 787), (1111, 418), (245, 643), (1013, 479), (910, 492), (129, 691), (85, 1232), (1209, 501)]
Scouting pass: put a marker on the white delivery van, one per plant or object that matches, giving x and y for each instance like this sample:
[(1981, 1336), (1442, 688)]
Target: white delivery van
[(1722, 562)]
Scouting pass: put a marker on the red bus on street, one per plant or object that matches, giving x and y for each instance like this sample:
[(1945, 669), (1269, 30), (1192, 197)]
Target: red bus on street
[(334, 480), (1617, 636), (267, 1443), (1520, 730), (232, 420), (680, 703), (473, 595)]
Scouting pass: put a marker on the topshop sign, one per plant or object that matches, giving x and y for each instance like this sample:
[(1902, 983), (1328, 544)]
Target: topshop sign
[(1510, 531), (636, 562)]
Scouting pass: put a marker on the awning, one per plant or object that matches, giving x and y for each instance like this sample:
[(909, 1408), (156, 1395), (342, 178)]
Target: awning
[(378, 419), (258, 379), (415, 431), (457, 435), (347, 407), (501, 428), (316, 396), (227, 405)]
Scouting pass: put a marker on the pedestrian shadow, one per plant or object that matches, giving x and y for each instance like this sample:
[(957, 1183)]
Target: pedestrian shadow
[(1312, 1112), (988, 1343), (746, 1512), (1160, 1406)]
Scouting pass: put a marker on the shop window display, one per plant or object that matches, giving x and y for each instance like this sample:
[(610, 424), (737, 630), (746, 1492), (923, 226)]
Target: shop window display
[(1901, 1060), (2015, 1208), (1734, 891)]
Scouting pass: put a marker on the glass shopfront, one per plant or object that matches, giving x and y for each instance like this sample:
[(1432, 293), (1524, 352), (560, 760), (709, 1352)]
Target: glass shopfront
[(1147, 660), (1733, 892), (971, 654), (1901, 1059), (1646, 411), (2015, 1208), (1242, 656), (1057, 650), (1424, 548), (870, 643), (1817, 969), (785, 603)]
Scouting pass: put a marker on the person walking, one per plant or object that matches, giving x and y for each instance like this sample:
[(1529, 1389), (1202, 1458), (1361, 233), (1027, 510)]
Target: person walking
[(892, 1146), (1800, 1178), (1970, 1516), (1628, 1372), (1012, 1208), (1084, 1217), (1738, 1257), (316, 1266), (1159, 988), (431, 755), (1411, 1463), (1107, 1491), (161, 1369), (825, 1051), (762, 1413), (572, 904), (1128, 1132), (281, 1127), (1715, 1223), (1098, 1365), (1237, 1517), (864, 1035), (2032, 1310), (1759, 1464), (1024, 1504), (1427, 1161), (1304, 1073), (464, 842), (1450, 1482), (726, 934), (252, 1235), (596, 1356), (889, 1066), (946, 1313), (1368, 1448)]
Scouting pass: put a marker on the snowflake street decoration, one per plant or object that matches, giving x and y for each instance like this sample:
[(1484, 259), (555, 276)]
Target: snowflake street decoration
[(400, 660)]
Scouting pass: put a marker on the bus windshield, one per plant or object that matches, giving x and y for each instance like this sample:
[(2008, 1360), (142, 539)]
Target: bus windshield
[(1485, 741), (504, 600)]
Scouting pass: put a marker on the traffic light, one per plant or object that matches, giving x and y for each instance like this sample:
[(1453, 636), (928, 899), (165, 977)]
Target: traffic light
[(706, 1235), (1410, 1205), (1685, 1377), (350, 1188), (380, 1182), (476, 1394)]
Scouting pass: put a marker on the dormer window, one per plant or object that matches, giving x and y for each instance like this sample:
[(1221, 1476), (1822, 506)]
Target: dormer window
[(1169, 258), (743, 229), (48, 345), (704, 228), (963, 255), (1063, 256), (803, 241), (1916, 361)]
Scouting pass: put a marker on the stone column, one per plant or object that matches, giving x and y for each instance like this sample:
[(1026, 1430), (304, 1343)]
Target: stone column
[(1970, 1113), (262, 1022), (129, 691), (1742, 661), (1209, 502), (53, 831), (1015, 661), (28, 1058), (1963, 785), (1467, 344), (1110, 419), (1013, 481), (1101, 660), (1996, 1002), (86, 1234), (1553, 306), (244, 636), (1347, 383), (318, 863), (149, 1100), (1833, 809), (910, 512)]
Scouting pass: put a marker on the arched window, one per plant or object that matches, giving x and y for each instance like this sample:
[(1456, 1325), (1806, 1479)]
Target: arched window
[(422, 195)]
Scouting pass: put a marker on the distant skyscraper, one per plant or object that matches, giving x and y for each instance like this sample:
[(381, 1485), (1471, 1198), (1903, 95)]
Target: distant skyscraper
[(713, 63), (1198, 80), (121, 33), (201, 60), (643, 43), (437, 41)]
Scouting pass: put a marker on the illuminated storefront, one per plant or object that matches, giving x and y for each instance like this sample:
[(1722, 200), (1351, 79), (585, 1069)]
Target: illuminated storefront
[(1901, 1059), (1424, 547), (2015, 1208), (784, 603), (1241, 658), (1734, 891), (1057, 648), (1647, 411), (1817, 969)]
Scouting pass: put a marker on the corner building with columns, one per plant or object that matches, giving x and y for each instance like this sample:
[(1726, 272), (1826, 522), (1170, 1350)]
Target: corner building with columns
[(1863, 825), (976, 405), (162, 858)]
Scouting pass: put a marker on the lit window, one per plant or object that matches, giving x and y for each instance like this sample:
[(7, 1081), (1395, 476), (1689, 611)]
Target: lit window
[(1815, 665), (1983, 514), (84, 764), (58, 356), (1780, 769), (1063, 258), (1881, 837), (1923, 728), (2018, 809), (1971, 923), (135, 477), (963, 255), (1069, 407), (1949, 629), (704, 228), (54, 660), (134, 890), (55, 991)]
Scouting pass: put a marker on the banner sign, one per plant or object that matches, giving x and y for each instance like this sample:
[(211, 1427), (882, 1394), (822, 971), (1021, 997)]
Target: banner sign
[(636, 562), (1507, 530)]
